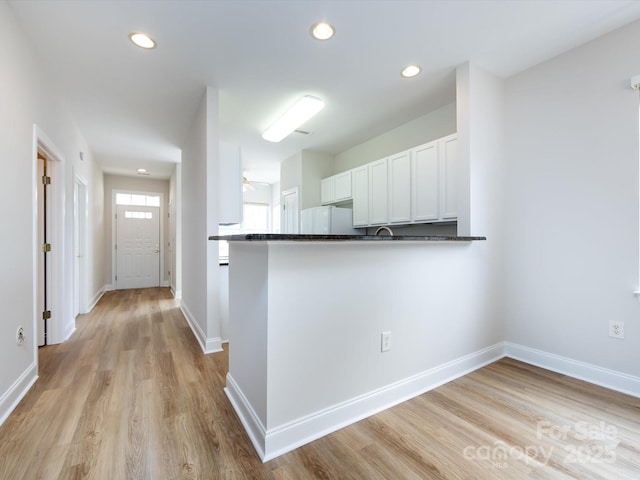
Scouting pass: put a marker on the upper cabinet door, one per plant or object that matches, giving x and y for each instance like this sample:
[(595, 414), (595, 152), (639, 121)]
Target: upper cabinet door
[(342, 186), (335, 189), (400, 187), (449, 178), (327, 190), (425, 179), (378, 191), (360, 191)]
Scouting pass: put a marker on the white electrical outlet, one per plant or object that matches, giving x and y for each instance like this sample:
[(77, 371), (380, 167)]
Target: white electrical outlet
[(616, 329), (20, 338), (385, 341)]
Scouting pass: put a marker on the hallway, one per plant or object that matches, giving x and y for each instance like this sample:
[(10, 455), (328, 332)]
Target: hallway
[(130, 395)]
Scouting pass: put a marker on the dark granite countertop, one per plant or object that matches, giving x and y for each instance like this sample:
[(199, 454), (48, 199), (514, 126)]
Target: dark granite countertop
[(269, 237)]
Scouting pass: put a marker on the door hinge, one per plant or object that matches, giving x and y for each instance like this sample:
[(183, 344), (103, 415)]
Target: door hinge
[(46, 247), (46, 180), (46, 315)]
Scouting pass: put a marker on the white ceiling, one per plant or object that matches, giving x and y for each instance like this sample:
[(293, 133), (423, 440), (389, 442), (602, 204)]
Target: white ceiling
[(135, 107)]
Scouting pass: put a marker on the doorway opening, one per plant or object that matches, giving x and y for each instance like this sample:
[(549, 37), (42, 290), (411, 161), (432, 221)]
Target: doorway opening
[(53, 322), (43, 311), (290, 207), (81, 217)]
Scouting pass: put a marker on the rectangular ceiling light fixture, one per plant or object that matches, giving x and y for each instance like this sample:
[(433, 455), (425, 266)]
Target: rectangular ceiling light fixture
[(303, 110)]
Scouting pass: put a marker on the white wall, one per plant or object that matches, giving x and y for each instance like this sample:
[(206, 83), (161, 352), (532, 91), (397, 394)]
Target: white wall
[(134, 184), (199, 214), (341, 332), (291, 172), (572, 204), (304, 170), (315, 167), (27, 98), (431, 126), (96, 236)]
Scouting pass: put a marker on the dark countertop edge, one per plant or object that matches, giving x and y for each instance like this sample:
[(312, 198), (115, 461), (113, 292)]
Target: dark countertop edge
[(267, 237)]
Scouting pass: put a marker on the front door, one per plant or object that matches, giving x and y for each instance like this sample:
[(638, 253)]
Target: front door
[(137, 247)]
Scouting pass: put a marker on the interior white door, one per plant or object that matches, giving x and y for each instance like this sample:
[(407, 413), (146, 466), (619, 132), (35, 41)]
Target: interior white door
[(137, 247), (290, 211)]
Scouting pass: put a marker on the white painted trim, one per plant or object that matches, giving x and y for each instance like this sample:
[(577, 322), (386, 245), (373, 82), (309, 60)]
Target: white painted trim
[(620, 382), (108, 287), (177, 294), (208, 345), (274, 442), (9, 401), (284, 438), (248, 417), (71, 327), (80, 228), (96, 298)]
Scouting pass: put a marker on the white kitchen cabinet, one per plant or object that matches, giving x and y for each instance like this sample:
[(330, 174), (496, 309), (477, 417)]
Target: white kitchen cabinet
[(327, 190), (434, 181), (424, 183), (415, 186), (343, 186), (336, 189), (360, 193), (378, 193), (448, 163), (399, 195)]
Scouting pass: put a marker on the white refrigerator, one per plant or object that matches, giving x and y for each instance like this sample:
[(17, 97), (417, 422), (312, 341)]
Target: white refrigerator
[(327, 220)]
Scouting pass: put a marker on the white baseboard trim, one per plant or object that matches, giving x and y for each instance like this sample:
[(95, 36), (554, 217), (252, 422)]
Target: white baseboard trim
[(620, 382), (208, 345), (109, 288), (96, 298), (177, 294), (284, 438), (9, 401), (274, 442), (71, 327), (252, 424)]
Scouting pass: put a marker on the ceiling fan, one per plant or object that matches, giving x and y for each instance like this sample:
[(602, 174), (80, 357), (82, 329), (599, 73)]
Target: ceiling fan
[(251, 185)]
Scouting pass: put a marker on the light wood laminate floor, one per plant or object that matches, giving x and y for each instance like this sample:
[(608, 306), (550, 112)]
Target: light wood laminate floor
[(131, 396)]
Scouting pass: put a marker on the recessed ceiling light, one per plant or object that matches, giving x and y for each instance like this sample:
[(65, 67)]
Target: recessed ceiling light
[(410, 71), (322, 30), (142, 171), (142, 40), (303, 110)]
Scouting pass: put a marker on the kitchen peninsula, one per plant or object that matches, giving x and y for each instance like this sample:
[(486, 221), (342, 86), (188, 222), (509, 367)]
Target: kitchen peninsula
[(325, 330)]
